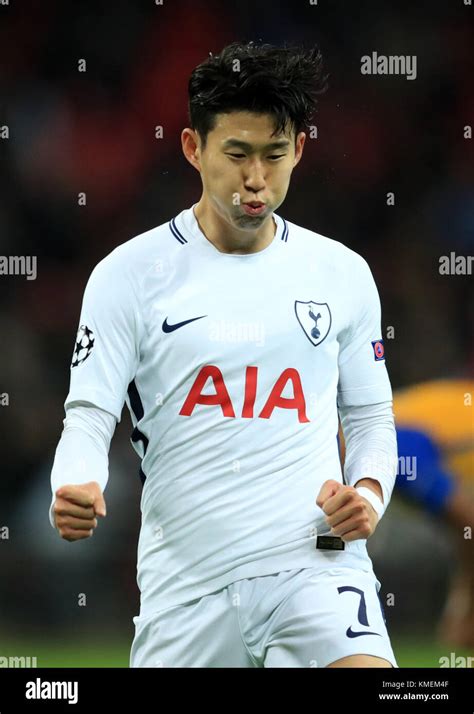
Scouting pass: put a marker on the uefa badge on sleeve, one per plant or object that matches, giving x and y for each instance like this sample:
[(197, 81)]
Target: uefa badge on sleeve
[(84, 343), (379, 350)]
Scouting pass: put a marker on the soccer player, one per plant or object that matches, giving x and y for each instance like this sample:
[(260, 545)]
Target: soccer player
[(435, 426), (236, 339)]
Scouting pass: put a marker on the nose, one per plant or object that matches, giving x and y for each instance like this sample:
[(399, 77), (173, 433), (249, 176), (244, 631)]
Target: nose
[(254, 178)]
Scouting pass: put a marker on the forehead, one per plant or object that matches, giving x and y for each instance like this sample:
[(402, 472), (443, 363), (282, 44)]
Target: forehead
[(247, 126)]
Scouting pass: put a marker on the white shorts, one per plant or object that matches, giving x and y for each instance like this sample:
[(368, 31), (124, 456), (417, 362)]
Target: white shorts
[(295, 618)]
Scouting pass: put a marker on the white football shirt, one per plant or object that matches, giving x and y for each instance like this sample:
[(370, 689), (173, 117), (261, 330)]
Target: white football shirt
[(232, 367)]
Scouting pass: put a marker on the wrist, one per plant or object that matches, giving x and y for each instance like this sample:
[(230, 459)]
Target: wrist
[(373, 485), (371, 496)]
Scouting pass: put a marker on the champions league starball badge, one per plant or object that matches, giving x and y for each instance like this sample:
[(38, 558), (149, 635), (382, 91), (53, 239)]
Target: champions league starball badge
[(84, 343)]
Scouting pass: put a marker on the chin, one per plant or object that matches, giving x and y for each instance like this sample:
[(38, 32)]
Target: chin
[(250, 222)]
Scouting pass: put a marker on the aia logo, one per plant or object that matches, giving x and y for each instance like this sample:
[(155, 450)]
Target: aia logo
[(222, 399)]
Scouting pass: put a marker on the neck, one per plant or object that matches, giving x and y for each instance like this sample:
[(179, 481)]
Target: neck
[(228, 238)]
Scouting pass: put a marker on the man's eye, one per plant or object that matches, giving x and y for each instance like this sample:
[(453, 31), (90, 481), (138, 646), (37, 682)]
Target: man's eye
[(274, 157)]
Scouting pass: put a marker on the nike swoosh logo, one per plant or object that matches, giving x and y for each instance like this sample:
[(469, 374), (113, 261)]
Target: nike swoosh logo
[(351, 633), (172, 328)]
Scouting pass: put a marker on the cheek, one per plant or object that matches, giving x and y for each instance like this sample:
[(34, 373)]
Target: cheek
[(281, 179), (287, 169), (220, 172)]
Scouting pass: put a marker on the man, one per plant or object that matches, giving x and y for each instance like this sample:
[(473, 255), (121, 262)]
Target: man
[(435, 430), (237, 338)]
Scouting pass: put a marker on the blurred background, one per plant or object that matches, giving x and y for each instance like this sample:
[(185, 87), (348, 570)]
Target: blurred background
[(94, 132)]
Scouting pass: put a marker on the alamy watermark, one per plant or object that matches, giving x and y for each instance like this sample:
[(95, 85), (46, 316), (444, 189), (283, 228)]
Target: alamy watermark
[(453, 264), (376, 463), (17, 662), (226, 331), (456, 661), (19, 265), (389, 64)]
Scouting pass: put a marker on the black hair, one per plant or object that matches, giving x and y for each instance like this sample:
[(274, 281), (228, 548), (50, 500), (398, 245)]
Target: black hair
[(281, 81)]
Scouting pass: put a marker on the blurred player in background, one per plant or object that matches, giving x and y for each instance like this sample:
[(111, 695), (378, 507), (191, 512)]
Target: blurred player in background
[(435, 424)]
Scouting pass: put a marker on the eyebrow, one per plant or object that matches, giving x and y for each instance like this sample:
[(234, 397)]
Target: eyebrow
[(238, 144)]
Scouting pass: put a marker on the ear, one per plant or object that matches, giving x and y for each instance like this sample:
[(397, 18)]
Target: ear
[(300, 140), (191, 143)]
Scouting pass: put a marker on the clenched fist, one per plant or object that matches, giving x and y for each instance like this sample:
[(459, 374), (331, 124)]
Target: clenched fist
[(349, 514), (75, 510)]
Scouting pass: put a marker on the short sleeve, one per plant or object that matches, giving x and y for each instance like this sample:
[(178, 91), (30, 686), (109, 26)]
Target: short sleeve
[(106, 351), (363, 377)]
